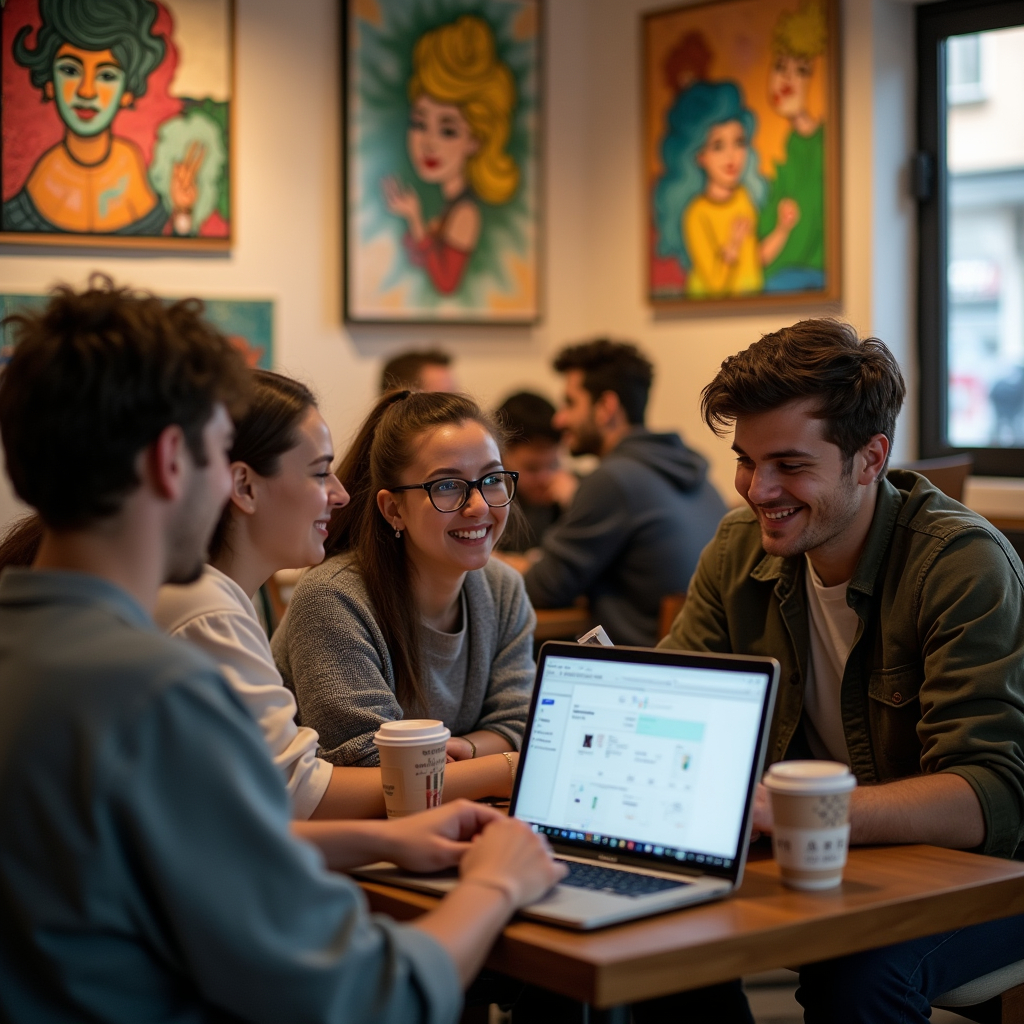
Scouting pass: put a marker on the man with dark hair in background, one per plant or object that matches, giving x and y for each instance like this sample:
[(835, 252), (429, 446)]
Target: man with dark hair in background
[(545, 488), (638, 523), (897, 615), (147, 871), (419, 370)]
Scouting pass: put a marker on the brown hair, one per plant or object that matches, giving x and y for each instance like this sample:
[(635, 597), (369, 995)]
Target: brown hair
[(403, 370), (613, 366), (858, 382), (95, 377), (20, 544), (262, 436), (382, 449), (264, 433)]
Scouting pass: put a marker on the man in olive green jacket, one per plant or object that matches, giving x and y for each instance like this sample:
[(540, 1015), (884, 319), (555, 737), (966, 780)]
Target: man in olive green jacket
[(898, 618)]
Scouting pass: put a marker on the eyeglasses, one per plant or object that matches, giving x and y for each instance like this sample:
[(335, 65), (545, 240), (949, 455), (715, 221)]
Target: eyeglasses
[(449, 495)]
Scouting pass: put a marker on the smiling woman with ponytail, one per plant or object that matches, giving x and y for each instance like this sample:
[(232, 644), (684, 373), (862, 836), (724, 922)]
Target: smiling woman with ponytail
[(408, 616)]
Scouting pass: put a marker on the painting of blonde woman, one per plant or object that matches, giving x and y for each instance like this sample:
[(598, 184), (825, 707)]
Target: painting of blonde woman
[(441, 175), (110, 135), (742, 173)]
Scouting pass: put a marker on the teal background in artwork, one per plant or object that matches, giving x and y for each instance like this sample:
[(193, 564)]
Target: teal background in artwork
[(252, 321), (380, 75)]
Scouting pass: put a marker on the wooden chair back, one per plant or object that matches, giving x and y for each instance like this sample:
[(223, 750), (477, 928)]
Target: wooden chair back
[(948, 474), (671, 606)]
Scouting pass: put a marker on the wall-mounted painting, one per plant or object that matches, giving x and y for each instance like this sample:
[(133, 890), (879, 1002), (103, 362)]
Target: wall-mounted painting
[(248, 323), (115, 121), (442, 128), (741, 151)]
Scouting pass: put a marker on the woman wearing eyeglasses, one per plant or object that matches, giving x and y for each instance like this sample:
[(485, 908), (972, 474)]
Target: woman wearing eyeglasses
[(408, 616)]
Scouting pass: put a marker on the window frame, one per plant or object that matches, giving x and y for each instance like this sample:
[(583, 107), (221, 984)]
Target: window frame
[(936, 22)]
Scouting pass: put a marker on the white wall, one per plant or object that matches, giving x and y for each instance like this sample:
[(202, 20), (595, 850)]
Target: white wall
[(288, 210)]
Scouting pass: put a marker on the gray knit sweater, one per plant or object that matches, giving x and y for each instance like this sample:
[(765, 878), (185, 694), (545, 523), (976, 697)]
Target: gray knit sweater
[(332, 654)]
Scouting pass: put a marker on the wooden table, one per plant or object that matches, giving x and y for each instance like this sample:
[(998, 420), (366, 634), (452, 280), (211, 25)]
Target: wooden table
[(889, 894)]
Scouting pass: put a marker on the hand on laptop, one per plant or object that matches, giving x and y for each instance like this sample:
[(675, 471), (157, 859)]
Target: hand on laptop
[(438, 839), (510, 857)]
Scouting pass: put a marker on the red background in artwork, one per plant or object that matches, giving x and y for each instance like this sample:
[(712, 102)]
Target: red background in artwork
[(31, 124)]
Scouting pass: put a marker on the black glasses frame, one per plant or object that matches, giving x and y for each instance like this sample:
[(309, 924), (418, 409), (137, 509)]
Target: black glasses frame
[(470, 484)]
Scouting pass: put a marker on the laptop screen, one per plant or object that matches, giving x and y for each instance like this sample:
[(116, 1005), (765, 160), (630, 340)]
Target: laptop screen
[(653, 760)]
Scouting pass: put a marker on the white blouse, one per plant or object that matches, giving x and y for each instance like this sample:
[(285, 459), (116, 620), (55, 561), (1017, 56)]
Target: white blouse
[(215, 614)]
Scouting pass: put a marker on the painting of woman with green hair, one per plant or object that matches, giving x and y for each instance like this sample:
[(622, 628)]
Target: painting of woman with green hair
[(741, 154), (458, 198), (106, 135)]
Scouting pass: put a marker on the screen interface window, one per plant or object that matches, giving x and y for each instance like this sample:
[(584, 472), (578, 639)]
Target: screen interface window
[(648, 759)]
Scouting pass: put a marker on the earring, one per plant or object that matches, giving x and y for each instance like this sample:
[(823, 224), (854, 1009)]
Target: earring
[(398, 533)]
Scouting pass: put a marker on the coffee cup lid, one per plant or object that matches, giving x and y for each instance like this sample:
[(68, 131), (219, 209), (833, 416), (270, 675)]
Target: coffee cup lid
[(810, 777), (410, 731)]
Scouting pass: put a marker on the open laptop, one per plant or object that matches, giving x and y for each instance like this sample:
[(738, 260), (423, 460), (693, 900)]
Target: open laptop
[(640, 767)]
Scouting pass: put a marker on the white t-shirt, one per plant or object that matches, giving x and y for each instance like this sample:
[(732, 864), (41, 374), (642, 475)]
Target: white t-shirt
[(215, 614), (833, 628)]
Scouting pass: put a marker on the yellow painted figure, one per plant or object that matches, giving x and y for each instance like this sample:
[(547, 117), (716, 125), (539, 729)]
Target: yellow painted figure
[(706, 204), (462, 100), (722, 245)]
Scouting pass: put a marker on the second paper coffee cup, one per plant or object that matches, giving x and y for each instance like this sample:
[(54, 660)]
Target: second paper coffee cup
[(412, 758), (811, 811)]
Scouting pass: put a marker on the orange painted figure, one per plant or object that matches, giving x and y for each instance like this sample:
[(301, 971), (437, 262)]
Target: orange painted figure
[(92, 64)]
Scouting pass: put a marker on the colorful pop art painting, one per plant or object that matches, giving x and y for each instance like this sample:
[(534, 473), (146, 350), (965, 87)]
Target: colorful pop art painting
[(741, 154), (115, 120), (442, 123)]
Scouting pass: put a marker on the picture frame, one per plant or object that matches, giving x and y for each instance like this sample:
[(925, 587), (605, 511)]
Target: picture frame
[(442, 162), (116, 124), (741, 155)]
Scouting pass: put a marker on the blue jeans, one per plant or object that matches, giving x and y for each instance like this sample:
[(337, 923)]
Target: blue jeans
[(895, 984)]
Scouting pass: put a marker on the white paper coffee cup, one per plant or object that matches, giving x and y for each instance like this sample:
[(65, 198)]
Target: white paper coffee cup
[(412, 758), (811, 812)]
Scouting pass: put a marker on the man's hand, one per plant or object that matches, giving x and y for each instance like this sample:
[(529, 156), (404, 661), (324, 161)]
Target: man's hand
[(509, 856), (439, 838)]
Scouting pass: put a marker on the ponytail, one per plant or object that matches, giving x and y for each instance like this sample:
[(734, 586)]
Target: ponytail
[(382, 449)]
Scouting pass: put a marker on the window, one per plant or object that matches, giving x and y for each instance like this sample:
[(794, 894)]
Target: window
[(970, 180)]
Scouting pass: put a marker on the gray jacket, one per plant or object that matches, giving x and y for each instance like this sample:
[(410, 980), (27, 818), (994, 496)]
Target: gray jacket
[(332, 654), (633, 533)]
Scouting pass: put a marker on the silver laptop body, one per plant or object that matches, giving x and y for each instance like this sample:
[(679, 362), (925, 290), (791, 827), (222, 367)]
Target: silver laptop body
[(640, 767)]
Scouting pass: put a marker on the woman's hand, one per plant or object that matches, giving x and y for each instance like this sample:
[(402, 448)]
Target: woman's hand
[(460, 749), (741, 228), (510, 857), (789, 214), (404, 202), (184, 189), (439, 838)]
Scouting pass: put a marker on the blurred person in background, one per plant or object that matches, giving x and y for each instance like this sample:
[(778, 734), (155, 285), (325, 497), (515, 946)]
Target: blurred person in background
[(533, 451), (419, 370), (638, 523)]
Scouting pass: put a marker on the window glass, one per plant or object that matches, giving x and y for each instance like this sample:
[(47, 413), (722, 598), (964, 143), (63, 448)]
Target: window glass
[(985, 250)]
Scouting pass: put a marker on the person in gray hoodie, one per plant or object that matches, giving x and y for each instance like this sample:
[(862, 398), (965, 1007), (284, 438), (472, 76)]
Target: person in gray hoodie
[(639, 522)]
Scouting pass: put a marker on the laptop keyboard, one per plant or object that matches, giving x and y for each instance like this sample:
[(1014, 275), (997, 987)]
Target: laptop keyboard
[(621, 883)]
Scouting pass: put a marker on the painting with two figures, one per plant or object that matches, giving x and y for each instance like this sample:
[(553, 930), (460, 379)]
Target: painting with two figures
[(741, 150), (441, 160), (115, 120)]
